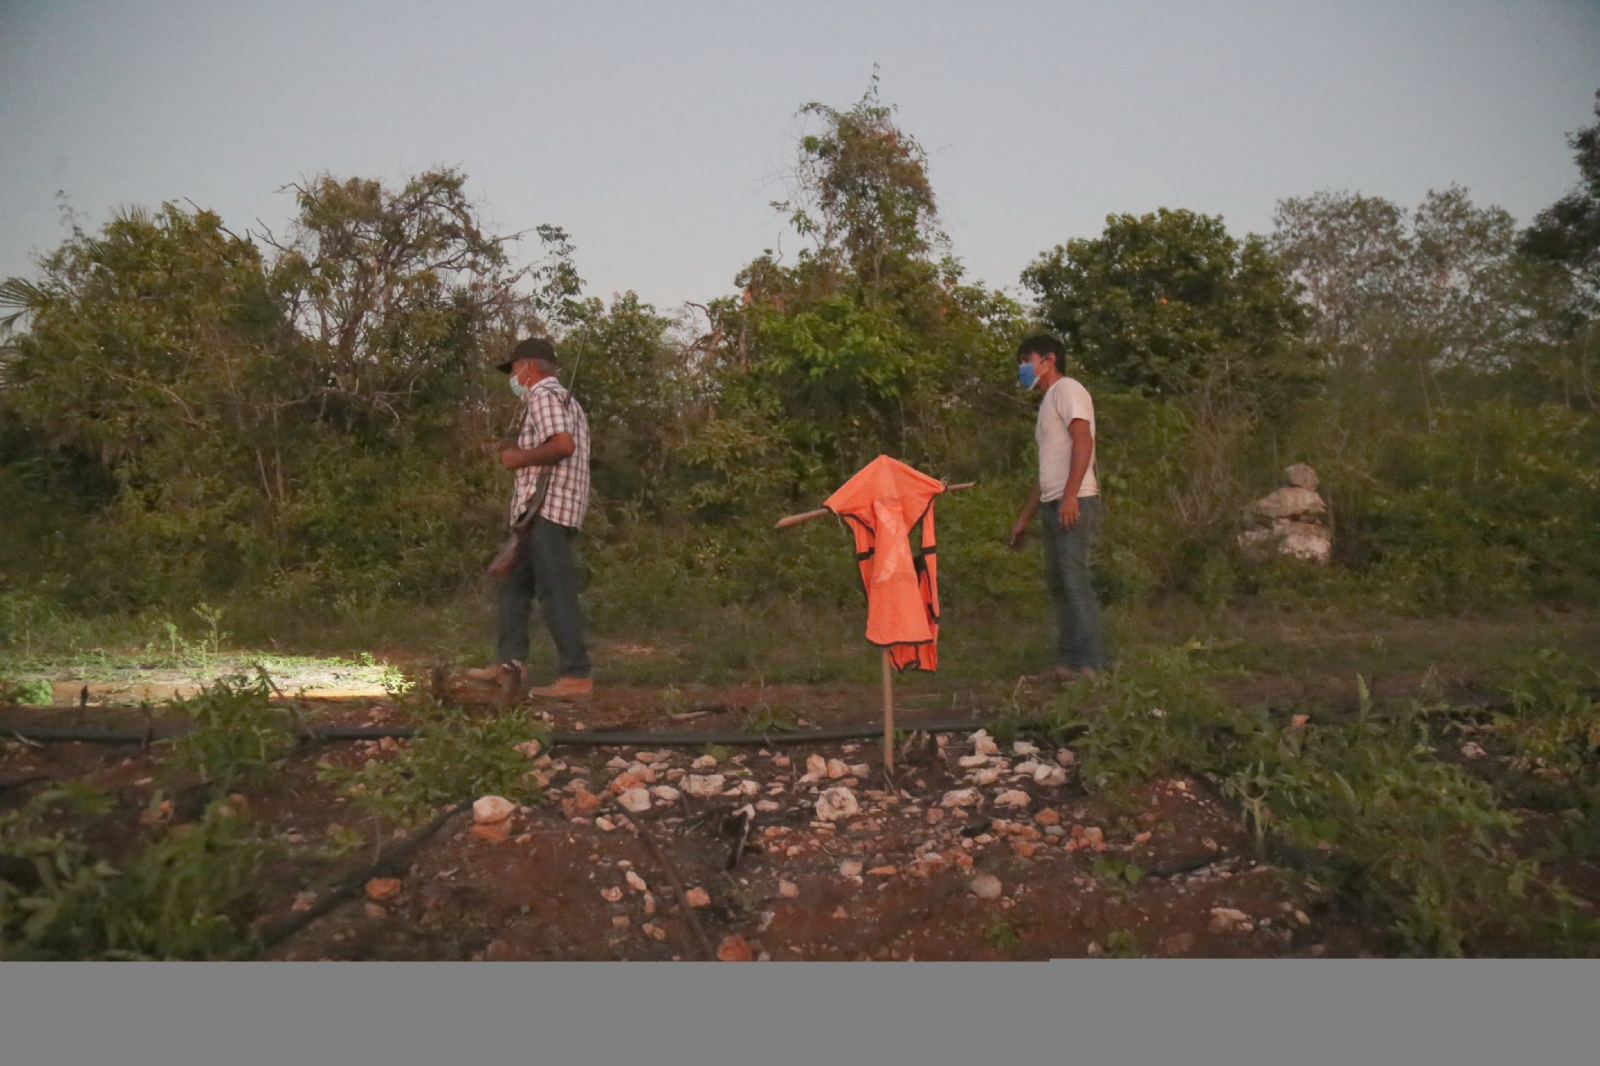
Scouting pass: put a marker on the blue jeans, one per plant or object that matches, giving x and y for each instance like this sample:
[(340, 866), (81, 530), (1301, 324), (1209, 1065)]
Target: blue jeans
[(1068, 555), (544, 570)]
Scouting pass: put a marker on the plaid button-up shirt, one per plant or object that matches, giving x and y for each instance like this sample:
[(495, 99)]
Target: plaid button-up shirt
[(551, 410)]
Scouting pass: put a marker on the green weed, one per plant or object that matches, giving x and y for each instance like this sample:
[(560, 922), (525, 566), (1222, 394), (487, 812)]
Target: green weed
[(769, 720), (35, 691), (1000, 934), (1121, 944), (237, 731), (184, 895), (1112, 869), (1413, 838), (453, 758)]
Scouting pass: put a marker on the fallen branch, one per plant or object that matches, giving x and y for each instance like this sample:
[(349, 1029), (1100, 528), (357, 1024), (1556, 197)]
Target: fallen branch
[(678, 890), (391, 863)]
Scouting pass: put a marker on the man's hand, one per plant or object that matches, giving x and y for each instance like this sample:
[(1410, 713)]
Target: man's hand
[(1020, 530), (551, 451), (1068, 512)]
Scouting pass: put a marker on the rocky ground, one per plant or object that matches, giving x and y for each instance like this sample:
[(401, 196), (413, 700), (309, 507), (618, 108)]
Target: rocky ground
[(813, 852)]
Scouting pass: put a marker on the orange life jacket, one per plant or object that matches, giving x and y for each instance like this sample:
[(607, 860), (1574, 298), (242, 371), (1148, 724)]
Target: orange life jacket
[(881, 504)]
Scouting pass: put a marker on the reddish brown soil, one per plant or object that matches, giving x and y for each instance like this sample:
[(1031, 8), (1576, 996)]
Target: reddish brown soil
[(538, 895)]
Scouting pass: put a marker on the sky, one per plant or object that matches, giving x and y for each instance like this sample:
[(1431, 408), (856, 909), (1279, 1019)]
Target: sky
[(657, 134)]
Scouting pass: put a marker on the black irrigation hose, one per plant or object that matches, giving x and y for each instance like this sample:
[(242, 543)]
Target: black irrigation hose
[(601, 738), (589, 738)]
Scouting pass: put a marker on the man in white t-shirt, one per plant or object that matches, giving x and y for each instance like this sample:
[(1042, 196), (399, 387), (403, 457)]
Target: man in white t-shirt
[(1071, 493)]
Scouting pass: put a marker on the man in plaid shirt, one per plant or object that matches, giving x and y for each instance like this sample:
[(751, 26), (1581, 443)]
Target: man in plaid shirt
[(553, 442)]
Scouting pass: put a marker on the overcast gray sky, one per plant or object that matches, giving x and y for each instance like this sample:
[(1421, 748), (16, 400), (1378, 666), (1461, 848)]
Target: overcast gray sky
[(655, 132)]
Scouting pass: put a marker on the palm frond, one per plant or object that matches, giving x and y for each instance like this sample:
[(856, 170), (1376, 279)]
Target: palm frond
[(23, 295)]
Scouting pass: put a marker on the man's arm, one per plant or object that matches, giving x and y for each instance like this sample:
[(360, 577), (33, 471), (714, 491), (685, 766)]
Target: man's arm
[(1082, 452), (551, 451), (1025, 517)]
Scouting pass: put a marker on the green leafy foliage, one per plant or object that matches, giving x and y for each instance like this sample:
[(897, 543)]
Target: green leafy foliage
[(1162, 301), (769, 720), (186, 894), (455, 758), (237, 732), (24, 690), (1417, 839), (1000, 933), (304, 423), (1111, 868), (1122, 944), (1553, 729)]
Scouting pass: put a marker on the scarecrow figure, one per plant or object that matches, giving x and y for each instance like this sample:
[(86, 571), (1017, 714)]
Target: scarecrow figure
[(882, 504)]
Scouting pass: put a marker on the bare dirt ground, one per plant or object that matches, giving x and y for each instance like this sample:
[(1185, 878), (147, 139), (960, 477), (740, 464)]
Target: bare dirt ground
[(1017, 868)]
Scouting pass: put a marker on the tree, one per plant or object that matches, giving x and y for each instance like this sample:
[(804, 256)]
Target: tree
[(299, 420), (634, 377), (862, 190), (1567, 232), (396, 292), (1430, 296), (1566, 235), (1162, 302), (865, 343)]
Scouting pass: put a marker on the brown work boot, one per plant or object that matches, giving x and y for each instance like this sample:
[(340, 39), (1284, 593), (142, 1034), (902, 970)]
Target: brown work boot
[(567, 688)]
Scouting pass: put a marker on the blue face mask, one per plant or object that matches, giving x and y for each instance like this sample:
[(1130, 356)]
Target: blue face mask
[(1025, 375), (517, 387)]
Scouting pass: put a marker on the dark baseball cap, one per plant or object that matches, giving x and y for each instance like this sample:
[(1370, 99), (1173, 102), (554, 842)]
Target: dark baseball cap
[(532, 348)]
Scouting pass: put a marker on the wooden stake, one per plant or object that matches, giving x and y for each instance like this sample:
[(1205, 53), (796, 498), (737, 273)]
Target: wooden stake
[(888, 713), (796, 519)]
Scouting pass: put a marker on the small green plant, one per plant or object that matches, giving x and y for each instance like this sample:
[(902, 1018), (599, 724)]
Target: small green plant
[(1000, 934), (212, 617), (1121, 944), (1110, 868), (25, 691), (718, 752), (237, 731), (769, 720), (452, 759)]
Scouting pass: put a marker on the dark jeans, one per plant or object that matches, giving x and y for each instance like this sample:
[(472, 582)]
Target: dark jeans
[(1068, 555), (544, 569)]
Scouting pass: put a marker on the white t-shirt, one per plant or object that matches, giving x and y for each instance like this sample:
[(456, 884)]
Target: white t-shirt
[(1065, 401)]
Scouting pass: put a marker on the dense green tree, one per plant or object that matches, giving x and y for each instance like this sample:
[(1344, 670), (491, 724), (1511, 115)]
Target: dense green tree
[(300, 419), (635, 377), (1568, 231), (1166, 301), (869, 341), (1566, 235)]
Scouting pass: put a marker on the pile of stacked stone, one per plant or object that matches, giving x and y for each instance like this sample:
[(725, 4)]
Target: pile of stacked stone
[(1292, 520)]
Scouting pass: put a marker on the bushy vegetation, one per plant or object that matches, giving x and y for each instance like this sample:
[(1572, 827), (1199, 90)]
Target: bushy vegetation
[(306, 420), (237, 733), (1368, 805), (184, 894), (453, 759)]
